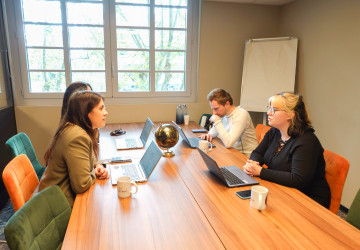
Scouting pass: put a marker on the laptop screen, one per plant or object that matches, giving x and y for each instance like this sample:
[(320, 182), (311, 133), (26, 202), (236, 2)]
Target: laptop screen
[(150, 159), (146, 131), (181, 132), (211, 164)]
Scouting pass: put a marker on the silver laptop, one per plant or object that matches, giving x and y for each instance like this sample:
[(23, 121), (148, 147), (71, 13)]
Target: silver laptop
[(193, 142), (138, 172), (232, 176), (130, 143)]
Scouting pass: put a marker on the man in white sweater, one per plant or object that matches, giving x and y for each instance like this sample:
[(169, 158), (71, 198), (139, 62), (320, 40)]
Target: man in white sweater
[(233, 125)]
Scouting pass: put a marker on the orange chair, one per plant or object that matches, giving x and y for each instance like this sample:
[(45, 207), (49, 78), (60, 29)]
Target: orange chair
[(336, 169), (20, 180), (261, 130)]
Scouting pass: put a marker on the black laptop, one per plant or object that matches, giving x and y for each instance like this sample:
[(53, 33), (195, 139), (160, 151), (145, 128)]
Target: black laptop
[(193, 142), (232, 176)]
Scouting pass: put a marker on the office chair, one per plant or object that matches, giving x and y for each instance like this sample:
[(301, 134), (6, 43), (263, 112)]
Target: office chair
[(261, 130), (21, 144), (41, 223), (20, 180), (336, 169), (353, 216), (204, 121)]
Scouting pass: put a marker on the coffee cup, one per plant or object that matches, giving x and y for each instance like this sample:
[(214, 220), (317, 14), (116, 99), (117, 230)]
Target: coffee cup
[(124, 187), (258, 198), (186, 119), (205, 146)]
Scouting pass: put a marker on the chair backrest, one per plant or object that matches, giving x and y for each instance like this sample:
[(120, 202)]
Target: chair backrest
[(41, 223), (353, 216), (21, 144), (336, 169), (261, 130), (20, 180)]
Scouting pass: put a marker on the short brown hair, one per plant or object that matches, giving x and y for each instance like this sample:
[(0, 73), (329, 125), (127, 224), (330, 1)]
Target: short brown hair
[(221, 96)]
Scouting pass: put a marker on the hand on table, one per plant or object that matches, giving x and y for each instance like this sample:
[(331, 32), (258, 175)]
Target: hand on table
[(101, 172), (252, 168)]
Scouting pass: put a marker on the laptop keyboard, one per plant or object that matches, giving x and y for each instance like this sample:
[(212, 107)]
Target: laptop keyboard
[(230, 177), (131, 143), (130, 170)]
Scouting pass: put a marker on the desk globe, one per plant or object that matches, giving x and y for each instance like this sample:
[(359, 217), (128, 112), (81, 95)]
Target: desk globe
[(166, 137)]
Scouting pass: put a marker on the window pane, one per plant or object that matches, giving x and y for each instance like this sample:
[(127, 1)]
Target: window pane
[(87, 59), (170, 39), (169, 60), (47, 82), (132, 15), (132, 38), (41, 11), (169, 81), (170, 17), (45, 59), (132, 1), (43, 35), (171, 2), (85, 13), (131, 82), (133, 60), (86, 37), (96, 79)]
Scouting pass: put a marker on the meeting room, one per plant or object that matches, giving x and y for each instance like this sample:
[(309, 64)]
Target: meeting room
[(179, 124)]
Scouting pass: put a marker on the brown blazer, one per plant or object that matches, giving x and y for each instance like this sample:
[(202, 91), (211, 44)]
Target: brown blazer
[(71, 164)]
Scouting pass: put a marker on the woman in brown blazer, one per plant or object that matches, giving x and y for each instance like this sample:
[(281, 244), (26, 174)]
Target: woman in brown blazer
[(72, 154)]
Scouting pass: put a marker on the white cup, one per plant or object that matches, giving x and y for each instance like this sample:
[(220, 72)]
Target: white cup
[(124, 186), (204, 145), (186, 119), (258, 197)]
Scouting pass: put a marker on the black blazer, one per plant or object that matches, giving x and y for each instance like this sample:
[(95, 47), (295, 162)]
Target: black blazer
[(300, 164)]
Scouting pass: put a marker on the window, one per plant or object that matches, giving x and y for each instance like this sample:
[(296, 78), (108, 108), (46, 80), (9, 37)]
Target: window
[(123, 48)]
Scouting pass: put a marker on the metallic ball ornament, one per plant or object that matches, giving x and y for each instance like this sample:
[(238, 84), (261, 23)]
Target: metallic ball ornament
[(166, 137)]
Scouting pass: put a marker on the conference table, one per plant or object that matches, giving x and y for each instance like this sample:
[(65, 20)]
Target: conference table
[(184, 206)]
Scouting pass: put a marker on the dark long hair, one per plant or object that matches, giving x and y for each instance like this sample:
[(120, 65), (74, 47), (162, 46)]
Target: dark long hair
[(290, 102), (73, 87), (81, 104)]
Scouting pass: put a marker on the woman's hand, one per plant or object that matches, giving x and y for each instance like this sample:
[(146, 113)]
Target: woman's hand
[(101, 172), (252, 168), (206, 137)]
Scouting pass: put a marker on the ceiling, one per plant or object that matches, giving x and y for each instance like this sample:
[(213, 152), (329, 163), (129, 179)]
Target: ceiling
[(266, 2)]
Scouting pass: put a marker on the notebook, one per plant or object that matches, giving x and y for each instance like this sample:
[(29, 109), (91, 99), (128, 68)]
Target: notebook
[(193, 142), (138, 172), (129, 143), (232, 176)]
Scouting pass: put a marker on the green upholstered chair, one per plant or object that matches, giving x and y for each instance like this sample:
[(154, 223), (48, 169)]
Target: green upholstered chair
[(21, 144), (204, 121), (41, 222), (353, 216)]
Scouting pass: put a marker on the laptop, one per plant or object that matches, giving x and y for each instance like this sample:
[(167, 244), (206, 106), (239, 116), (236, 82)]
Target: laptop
[(138, 172), (130, 143), (193, 142), (232, 176)]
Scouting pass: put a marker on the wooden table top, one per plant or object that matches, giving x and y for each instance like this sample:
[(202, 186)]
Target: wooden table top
[(183, 206)]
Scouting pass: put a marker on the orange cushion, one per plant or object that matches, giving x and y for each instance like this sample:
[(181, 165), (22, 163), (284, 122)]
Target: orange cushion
[(20, 180)]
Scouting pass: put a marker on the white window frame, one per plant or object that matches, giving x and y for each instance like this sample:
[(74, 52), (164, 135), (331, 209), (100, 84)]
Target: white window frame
[(111, 72)]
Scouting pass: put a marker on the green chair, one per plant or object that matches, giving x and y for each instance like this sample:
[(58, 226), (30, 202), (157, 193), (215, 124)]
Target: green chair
[(353, 216), (21, 144), (204, 121), (41, 222)]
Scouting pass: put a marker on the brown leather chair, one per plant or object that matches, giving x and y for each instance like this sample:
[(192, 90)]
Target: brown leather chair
[(336, 169), (20, 180), (261, 130)]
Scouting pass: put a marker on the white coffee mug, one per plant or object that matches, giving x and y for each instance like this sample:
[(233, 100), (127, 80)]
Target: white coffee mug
[(186, 119), (205, 146), (258, 197), (124, 186)]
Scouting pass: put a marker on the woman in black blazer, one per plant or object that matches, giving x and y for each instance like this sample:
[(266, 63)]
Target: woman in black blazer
[(291, 150)]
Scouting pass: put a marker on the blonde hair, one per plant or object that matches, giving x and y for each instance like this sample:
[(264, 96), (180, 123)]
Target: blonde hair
[(290, 102)]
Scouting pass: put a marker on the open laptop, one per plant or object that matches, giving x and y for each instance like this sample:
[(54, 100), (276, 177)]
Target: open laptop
[(193, 142), (138, 172), (130, 143), (232, 176)]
